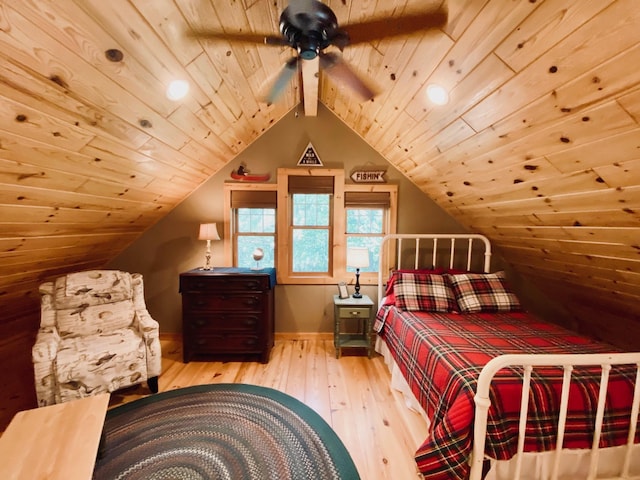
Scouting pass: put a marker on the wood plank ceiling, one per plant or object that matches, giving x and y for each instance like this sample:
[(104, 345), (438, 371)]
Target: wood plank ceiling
[(538, 147)]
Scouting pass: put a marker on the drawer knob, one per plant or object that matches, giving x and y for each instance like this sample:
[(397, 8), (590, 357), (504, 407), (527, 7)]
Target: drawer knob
[(251, 302)]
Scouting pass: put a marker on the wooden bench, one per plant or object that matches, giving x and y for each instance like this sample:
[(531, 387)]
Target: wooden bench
[(57, 442)]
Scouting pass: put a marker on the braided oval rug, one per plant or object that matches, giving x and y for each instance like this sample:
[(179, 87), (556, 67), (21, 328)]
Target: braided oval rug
[(220, 431)]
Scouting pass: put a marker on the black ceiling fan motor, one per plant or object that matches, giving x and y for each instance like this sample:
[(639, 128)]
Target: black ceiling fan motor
[(309, 32)]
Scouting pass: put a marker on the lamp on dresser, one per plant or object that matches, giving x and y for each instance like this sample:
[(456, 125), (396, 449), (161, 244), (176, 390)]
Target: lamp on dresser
[(208, 232), (357, 257)]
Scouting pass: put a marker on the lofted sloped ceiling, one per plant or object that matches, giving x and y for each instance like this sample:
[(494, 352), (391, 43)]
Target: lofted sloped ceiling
[(538, 147)]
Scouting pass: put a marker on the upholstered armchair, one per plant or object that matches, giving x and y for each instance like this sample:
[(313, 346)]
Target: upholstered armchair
[(95, 336)]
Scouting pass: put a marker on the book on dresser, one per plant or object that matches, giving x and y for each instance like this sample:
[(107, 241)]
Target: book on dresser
[(228, 313)]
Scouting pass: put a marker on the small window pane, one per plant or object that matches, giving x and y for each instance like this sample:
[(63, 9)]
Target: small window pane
[(311, 210), (310, 250), (256, 220), (365, 220), (248, 243)]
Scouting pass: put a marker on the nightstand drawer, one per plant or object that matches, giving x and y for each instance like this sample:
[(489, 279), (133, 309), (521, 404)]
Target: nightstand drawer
[(354, 312)]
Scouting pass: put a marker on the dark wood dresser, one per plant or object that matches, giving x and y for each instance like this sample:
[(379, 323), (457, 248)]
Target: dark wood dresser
[(228, 312)]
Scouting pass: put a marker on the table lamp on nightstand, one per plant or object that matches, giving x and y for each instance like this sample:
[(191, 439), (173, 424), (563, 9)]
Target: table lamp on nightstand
[(357, 257), (208, 232)]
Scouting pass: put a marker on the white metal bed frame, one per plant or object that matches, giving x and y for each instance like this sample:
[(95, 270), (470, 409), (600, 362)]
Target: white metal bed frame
[(389, 256)]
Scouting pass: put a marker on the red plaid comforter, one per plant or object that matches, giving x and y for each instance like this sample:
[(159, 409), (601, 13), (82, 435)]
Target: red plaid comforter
[(441, 356)]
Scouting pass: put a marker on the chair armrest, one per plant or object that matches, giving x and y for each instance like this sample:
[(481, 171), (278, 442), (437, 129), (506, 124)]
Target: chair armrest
[(150, 331), (146, 325), (45, 348)]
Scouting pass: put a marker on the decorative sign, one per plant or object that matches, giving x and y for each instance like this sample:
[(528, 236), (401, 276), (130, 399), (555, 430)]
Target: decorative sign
[(309, 158), (368, 176)]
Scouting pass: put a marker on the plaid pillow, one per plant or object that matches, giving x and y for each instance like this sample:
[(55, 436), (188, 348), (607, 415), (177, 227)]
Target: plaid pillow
[(424, 292), (483, 292), (395, 273)]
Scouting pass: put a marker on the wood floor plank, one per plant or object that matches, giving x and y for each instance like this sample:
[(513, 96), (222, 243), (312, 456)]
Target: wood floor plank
[(351, 393)]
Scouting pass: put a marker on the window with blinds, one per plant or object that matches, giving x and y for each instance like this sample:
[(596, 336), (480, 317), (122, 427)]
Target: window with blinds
[(311, 223), (367, 221), (254, 222), (305, 222)]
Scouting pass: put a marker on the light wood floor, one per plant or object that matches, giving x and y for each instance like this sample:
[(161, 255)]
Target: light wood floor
[(352, 394)]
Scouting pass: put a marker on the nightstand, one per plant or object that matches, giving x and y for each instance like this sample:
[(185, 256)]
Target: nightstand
[(345, 312)]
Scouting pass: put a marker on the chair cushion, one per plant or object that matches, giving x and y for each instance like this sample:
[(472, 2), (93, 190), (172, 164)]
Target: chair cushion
[(95, 319), (107, 362), (92, 287)]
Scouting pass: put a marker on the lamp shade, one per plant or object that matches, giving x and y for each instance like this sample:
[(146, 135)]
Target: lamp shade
[(358, 257), (208, 231)]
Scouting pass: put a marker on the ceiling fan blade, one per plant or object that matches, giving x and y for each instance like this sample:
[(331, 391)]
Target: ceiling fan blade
[(333, 64), (237, 37), (390, 27), (282, 80)]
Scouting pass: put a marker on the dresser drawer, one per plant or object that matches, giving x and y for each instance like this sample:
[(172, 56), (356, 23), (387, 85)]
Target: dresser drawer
[(222, 322), (353, 312), (226, 343), (224, 283), (222, 302)]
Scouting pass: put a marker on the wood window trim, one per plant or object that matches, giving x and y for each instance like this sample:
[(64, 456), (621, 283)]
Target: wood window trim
[(283, 262), (227, 218), (371, 278), (339, 272)]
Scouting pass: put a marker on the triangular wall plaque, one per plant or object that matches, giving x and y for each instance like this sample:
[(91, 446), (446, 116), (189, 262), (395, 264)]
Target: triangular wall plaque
[(310, 158)]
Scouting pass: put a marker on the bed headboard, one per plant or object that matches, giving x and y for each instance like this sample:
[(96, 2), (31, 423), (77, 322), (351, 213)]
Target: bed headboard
[(413, 251)]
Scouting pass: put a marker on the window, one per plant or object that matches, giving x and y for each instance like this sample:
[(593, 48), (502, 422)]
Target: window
[(367, 223), (308, 229), (252, 221), (316, 219), (256, 228), (310, 232), (310, 224)]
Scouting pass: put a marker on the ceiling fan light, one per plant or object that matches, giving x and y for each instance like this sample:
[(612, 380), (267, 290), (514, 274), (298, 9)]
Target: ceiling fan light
[(437, 94), (177, 89)]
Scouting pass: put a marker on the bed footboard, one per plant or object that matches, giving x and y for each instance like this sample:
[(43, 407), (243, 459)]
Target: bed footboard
[(565, 361)]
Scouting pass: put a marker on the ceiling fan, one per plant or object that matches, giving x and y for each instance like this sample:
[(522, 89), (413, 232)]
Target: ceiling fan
[(311, 27)]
